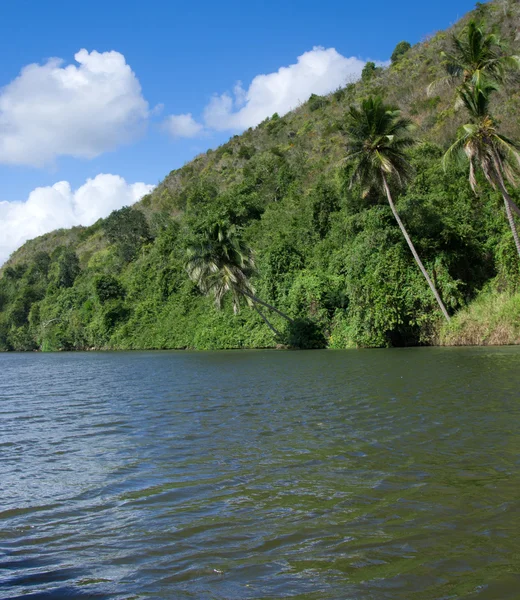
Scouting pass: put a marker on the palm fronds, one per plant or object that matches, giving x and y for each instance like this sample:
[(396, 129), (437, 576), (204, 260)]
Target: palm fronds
[(475, 57), (377, 138), (220, 263)]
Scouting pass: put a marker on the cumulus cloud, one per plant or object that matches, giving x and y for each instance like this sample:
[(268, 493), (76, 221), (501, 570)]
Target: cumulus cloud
[(57, 206), (318, 71), (182, 126), (81, 110)]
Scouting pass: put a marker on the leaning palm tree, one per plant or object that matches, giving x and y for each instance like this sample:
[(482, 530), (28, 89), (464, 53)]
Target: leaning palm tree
[(476, 55), (486, 148), (377, 139), (221, 263)]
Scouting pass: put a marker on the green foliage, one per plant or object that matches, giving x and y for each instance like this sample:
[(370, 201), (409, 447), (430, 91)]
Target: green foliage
[(108, 288), (401, 49), (128, 229), (317, 102), (40, 264), (64, 268), (115, 313), (275, 124), (246, 152), (16, 272), (305, 334), (369, 70), (325, 201)]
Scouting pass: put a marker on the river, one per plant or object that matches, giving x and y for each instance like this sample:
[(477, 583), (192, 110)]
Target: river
[(345, 475)]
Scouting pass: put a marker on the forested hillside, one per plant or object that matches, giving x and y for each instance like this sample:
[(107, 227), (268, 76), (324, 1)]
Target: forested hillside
[(325, 254)]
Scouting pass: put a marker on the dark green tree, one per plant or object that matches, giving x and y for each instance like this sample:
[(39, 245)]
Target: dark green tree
[(401, 49), (108, 288), (369, 70), (128, 229), (324, 202), (64, 268), (40, 264)]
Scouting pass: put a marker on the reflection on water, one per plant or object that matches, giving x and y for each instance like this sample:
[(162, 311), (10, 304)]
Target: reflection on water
[(248, 475)]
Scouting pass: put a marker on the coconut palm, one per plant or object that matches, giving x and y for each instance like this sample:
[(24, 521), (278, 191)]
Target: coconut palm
[(476, 55), (377, 139), (486, 148), (221, 263)]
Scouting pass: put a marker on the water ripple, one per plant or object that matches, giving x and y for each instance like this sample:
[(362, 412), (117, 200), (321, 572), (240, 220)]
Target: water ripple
[(255, 475)]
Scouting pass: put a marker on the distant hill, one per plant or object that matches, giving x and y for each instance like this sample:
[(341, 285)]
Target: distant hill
[(323, 253)]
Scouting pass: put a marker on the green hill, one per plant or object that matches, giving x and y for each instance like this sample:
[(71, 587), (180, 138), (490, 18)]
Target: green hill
[(324, 254)]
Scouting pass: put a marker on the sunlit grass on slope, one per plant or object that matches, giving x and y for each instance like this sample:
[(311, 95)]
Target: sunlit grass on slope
[(493, 319)]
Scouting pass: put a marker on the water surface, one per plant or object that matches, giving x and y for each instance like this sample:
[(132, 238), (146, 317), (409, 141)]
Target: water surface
[(359, 475)]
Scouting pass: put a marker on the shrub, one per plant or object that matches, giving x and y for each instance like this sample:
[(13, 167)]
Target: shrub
[(317, 102), (369, 70), (401, 49), (64, 268), (246, 152), (305, 334), (128, 229), (108, 288)]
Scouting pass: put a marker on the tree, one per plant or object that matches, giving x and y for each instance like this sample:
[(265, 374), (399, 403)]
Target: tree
[(477, 54), (108, 288), (64, 267), (324, 202), (377, 139), (128, 229), (401, 49), (220, 263), (369, 70), (486, 148)]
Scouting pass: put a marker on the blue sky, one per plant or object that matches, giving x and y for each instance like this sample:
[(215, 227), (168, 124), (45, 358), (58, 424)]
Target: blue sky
[(181, 55)]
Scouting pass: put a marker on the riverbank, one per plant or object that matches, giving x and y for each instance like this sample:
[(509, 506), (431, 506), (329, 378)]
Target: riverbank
[(492, 319)]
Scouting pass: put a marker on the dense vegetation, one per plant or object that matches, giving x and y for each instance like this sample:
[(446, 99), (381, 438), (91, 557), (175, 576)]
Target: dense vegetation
[(326, 251)]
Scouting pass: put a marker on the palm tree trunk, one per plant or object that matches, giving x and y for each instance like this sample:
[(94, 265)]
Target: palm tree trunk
[(266, 320), (508, 203), (513, 205), (414, 252), (255, 299), (496, 178)]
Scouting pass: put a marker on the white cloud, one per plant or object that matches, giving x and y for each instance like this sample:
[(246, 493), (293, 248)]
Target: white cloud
[(53, 110), (182, 126), (318, 71), (57, 206)]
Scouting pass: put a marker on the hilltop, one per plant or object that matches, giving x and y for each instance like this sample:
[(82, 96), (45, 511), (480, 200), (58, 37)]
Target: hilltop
[(323, 253)]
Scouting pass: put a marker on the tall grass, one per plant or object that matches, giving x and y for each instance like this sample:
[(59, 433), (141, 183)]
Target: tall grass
[(493, 319)]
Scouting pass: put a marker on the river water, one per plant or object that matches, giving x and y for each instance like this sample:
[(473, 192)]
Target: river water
[(348, 475)]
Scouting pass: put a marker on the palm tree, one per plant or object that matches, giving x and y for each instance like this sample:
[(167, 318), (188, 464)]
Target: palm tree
[(476, 55), (377, 139), (484, 146), (220, 263)]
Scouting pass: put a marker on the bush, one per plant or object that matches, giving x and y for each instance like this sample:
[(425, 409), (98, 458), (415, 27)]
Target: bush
[(317, 102), (305, 334), (108, 288), (339, 94), (368, 71), (128, 229), (401, 49), (246, 152), (64, 267), (115, 314)]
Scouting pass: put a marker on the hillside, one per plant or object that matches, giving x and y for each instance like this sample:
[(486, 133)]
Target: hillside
[(324, 255)]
